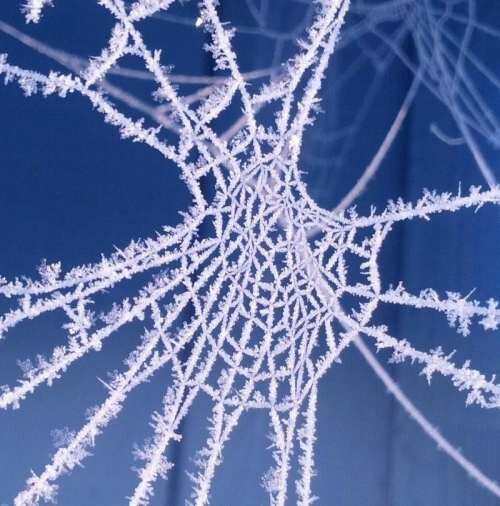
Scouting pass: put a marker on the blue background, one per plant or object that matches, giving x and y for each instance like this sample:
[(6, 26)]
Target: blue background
[(71, 189)]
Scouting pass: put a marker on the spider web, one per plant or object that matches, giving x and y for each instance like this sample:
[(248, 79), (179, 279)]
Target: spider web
[(255, 295)]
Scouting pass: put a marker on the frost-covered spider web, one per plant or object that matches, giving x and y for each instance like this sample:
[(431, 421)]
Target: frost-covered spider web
[(255, 295)]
